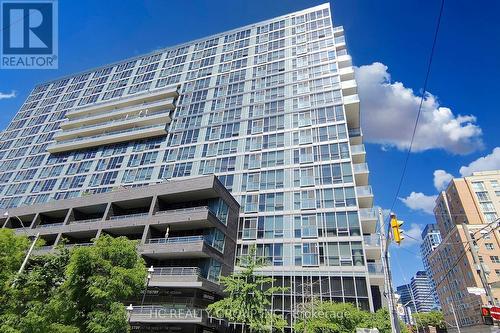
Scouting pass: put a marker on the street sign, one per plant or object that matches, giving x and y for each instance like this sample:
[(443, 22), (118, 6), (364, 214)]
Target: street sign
[(476, 290), (495, 312)]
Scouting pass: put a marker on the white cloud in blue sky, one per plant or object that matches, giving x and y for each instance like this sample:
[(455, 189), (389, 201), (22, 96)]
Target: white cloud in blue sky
[(485, 163), (389, 110), (420, 202), (441, 179), (12, 94)]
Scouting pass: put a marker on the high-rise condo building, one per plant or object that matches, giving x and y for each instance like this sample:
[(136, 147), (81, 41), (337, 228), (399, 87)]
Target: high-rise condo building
[(416, 296), (431, 238), (270, 108), (467, 216)]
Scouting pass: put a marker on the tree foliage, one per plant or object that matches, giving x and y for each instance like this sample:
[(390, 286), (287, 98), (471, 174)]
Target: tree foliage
[(433, 318), (77, 291), (248, 298), (331, 317)]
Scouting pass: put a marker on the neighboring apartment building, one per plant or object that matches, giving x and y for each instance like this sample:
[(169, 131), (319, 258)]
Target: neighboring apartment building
[(404, 292), (416, 296), (186, 231), (469, 205), (431, 238), (270, 108)]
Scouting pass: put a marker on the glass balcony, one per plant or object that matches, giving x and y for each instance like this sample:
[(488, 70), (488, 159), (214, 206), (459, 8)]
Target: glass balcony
[(176, 271), (173, 240), (362, 191), (372, 240), (375, 268), (358, 149)]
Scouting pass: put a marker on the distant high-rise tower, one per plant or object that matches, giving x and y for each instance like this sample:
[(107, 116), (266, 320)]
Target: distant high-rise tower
[(270, 108), (431, 238)]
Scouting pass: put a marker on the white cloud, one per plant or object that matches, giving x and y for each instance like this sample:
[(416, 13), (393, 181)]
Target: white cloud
[(441, 179), (12, 94), (420, 201), (485, 163), (413, 235), (389, 110)]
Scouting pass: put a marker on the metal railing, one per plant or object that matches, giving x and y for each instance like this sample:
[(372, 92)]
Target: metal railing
[(182, 210), (78, 244), (127, 216), (172, 271), (125, 99), (133, 129), (87, 220), (144, 115), (173, 240), (48, 225)]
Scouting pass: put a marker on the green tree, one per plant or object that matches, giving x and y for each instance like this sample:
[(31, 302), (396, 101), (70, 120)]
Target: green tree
[(248, 298), (77, 291), (12, 251), (331, 317), (98, 278), (433, 318)]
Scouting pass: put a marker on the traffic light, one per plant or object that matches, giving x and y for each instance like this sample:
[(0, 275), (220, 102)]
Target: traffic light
[(486, 314), (397, 233)]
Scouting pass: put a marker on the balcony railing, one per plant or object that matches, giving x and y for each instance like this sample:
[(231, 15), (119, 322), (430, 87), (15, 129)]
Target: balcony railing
[(126, 99), (173, 271), (368, 213), (175, 240), (133, 129), (79, 244), (48, 225), (353, 132), (128, 216), (88, 220), (375, 268), (144, 115), (372, 240), (182, 210), (362, 191), (360, 168), (358, 149)]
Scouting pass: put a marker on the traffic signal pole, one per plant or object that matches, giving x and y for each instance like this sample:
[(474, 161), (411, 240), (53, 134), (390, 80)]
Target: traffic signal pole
[(479, 266), (388, 289)]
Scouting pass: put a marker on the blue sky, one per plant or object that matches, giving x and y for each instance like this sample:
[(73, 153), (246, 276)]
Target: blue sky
[(397, 34)]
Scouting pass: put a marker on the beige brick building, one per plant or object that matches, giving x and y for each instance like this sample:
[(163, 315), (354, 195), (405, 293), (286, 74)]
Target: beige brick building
[(468, 205)]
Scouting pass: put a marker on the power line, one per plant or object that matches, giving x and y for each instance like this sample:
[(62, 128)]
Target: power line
[(429, 65)]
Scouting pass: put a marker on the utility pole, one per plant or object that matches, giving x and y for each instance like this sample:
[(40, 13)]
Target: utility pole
[(389, 291), (455, 316), (479, 266)]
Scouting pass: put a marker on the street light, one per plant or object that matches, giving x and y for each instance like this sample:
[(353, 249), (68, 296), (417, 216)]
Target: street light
[(151, 270), (25, 261)]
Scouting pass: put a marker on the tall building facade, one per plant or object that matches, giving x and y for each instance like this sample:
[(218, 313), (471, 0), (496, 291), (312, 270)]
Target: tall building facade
[(431, 238), (467, 216), (270, 108), (416, 296)]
